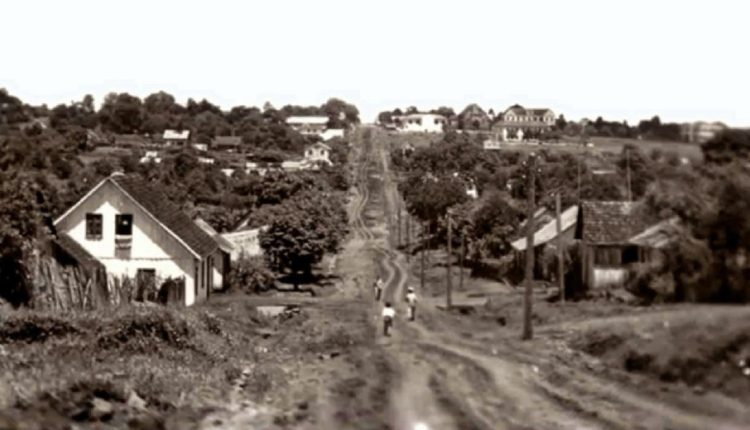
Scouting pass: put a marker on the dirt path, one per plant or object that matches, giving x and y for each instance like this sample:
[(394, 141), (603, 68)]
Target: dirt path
[(449, 382)]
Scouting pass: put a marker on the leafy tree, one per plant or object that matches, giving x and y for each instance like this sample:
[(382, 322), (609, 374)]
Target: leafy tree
[(310, 225), (727, 146), (121, 113), (19, 227)]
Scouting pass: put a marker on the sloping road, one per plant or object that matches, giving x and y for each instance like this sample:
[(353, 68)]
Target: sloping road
[(448, 382)]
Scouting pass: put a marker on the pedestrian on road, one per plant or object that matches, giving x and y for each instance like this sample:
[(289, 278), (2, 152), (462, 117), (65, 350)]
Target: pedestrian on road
[(378, 289), (411, 300), (389, 314)]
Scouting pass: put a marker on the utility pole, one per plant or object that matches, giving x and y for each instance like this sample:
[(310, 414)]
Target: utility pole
[(449, 285), (424, 244), (398, 219), (627, 167), (408, 237), (529, 278), (579, 179), (461, 261), (560, 268)]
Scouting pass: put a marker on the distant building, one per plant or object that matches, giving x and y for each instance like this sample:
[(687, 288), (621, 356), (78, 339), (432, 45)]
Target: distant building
[(308, 124), (206, 160), (421, 123), (517, 122), (151, 157), (226, 143), (474, 117), (202, 147), (315, 125), (318, 152), (135, 232), (131, 140), (700, 131), (176, 138)]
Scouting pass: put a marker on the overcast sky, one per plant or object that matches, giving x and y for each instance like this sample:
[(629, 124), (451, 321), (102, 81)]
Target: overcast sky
[(623, 60)]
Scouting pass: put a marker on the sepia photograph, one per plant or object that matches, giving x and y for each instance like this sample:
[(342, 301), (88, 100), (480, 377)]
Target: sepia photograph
[(374, 215)]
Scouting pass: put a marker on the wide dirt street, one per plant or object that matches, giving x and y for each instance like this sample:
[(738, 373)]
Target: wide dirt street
[(447, 372)]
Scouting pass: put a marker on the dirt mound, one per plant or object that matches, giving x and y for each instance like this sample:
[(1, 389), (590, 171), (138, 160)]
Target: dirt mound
[(88, 401), (705, 350)]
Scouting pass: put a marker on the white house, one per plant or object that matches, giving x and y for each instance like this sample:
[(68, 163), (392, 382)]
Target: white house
[(135, 232), (151, 157), (422, 122), (314, 125), (308, 124), (318, 152), (174, 137), (245, 243)]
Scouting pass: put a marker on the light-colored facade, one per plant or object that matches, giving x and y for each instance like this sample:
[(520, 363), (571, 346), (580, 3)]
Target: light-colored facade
[(176, 138), (308, 124), (318, 152), (116, 228), (421, 123), (314, 125), (701, 131), (517, 122)]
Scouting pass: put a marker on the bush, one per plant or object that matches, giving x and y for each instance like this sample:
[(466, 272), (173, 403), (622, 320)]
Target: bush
[(33, 327), (139, 330), (251, 275)]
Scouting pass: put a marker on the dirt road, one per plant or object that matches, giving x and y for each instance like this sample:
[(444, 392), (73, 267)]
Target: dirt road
[(449, 381)]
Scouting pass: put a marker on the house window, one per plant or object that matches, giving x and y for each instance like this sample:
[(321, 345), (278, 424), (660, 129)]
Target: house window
[(93, 226), (124, 225), (630, 255), (608, 256)]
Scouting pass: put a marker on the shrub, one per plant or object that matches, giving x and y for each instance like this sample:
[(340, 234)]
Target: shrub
[(251, 275), (34, 327)]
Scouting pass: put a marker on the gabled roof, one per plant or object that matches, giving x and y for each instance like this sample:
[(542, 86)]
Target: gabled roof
[(156, 204), (658, 235), (224, 244), (549, 230), (539, 112), (316, 120), (227, 141), (176, 135), (317, 145), (131, 140), (611, 223), (516, 109)]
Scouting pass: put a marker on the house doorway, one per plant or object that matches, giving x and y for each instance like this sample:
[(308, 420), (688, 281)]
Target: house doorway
[(145, 281)]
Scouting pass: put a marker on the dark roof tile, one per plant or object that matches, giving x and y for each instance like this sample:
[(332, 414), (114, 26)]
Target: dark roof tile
[(174, 219)]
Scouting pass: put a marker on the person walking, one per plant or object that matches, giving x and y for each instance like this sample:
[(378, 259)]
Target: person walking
[(378, 289), (411, 300), (389, 314)]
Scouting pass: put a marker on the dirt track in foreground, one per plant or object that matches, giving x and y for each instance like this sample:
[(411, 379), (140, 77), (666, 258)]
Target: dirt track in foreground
[(448, 381)]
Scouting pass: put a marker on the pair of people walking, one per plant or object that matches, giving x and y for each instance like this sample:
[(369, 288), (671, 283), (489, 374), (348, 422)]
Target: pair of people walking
[(389, 313)]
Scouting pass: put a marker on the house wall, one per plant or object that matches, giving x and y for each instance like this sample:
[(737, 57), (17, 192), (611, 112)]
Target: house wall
[(246, 243), (609, 277), (152, 246), (426, 124)]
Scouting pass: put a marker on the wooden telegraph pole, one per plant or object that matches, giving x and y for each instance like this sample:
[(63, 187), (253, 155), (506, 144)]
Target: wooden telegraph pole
[(449, 284), (408, 237), (627, 167), (424, 245), (560, 268), (528, 331), (461, 260), (398, 219)]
